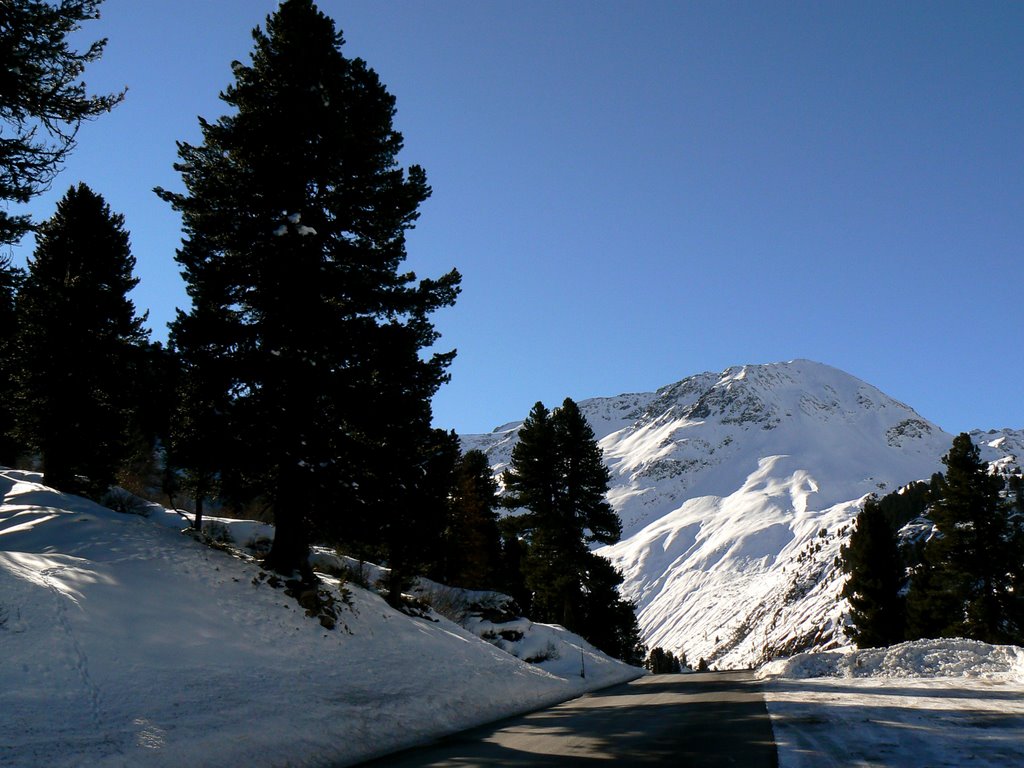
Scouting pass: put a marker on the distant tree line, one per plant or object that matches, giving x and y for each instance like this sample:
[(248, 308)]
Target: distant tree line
[(298, 384), (662, 662), (962, 576)]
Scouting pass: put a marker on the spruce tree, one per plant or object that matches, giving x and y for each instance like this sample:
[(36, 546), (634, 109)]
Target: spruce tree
[(295, 215), (965, 587), (552, 563), (875, 577), (662, 662), (532, 478), (42, 99), (557, 474), (472, 538), (608, 621), (10, 278), (150, 375), (656, 661), (77, 335), (582, 503), (414, 543)]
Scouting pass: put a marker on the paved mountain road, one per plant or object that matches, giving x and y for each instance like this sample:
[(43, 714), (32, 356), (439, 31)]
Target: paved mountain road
[(704, 719)]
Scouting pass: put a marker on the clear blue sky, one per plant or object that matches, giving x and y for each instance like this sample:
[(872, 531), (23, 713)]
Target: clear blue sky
[(636, 192)]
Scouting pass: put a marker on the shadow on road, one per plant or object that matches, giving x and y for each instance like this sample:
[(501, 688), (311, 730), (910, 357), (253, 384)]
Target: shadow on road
[(712, 719)]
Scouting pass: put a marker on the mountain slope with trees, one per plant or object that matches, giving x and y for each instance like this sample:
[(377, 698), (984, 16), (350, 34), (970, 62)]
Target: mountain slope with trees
[(737, 491)]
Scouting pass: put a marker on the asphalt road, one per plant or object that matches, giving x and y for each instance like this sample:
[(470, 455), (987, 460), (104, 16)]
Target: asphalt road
[(708, 719)]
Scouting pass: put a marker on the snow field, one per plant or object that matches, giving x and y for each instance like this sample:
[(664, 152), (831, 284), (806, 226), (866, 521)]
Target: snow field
[(125, 643), (934, 703)]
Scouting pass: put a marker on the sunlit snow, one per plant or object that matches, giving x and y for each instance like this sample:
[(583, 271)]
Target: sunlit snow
[(935, 703), (125, 643)]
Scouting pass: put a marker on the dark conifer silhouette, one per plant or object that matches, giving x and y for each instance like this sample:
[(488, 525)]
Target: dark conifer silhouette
[(10, 278), (295, 217), (876, 576), (77, 338), (557, 475), (42, 99), (472, 538), (662, 662), (966, 585)]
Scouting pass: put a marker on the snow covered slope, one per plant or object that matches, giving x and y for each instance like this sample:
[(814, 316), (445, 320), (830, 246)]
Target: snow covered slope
[(735, 492), (125, 643)]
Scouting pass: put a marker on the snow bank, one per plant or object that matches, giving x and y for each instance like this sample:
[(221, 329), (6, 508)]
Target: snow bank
[(125, 643), (918, 659), (926, 703)]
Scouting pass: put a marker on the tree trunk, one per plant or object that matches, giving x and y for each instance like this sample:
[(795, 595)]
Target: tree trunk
[(57, 473), (290, 551)]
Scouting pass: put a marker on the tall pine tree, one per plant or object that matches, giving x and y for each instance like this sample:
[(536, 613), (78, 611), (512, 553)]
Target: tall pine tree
[(10, 278), (558, 475), (965, 587), (42, 99), (78, 335), (875, 577), (295, 217), (472, 538)]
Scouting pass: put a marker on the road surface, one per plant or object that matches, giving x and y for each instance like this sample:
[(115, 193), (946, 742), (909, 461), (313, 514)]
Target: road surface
[(704, 719)]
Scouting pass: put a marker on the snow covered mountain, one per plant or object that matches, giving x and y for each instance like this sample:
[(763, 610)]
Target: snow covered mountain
[(736, 491)]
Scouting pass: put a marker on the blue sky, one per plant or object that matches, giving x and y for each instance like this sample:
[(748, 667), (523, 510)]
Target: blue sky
[(637, 192)]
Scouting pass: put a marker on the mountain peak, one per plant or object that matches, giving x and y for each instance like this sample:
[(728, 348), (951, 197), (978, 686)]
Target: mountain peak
[(725, 483), (766, 395)]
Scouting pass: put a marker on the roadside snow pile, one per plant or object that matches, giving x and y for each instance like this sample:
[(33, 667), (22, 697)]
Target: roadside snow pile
[(125, 643), (494, 617), (933, 703), (920, 658)]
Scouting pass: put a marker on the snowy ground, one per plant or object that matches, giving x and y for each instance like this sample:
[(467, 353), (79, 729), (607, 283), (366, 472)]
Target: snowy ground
[(931, 703), (125, 643)]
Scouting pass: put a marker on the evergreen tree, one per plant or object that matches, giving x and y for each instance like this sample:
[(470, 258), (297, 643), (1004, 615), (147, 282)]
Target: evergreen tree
[(10, 278), (512, 578), (876, 575), (582, 502), (965, 587), (415, 542), (150, 375), (554, 559), (472, 538), (532, 479), (42, 100), (607, 620), (77, 335), (662, 662), (295, 217), (1015, 485), (558, 475), (905, 504), (656, 661)]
